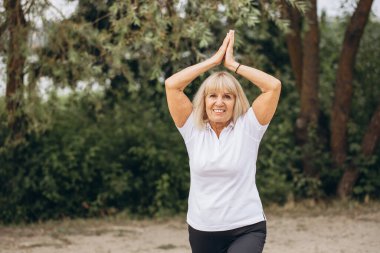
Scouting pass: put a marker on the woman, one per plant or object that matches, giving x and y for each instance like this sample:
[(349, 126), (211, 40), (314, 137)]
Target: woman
[(222, 133)]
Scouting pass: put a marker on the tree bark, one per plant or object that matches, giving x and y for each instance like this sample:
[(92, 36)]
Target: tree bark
[(368, 146), (308, 117), (294, 41), (18, 35), (344, 78)]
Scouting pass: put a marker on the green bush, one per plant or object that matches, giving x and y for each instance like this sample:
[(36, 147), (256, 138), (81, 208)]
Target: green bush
[(87, 162)]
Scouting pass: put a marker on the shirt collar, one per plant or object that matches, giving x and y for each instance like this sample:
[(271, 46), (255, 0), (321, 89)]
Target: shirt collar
[(230, 125)]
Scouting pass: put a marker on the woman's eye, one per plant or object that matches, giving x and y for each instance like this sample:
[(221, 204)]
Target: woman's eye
[(227, 96), (212, 95)]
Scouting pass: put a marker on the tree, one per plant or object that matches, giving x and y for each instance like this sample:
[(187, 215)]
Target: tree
[(343, 88), (17, 28), (342, 101), (16, 31), (304, 57), (126, 155)]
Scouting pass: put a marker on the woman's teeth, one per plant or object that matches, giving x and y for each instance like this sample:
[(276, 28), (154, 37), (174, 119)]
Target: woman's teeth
[(216, 110)]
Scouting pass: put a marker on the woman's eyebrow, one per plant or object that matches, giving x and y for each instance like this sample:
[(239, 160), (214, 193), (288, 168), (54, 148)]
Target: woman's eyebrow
[(215, 92)]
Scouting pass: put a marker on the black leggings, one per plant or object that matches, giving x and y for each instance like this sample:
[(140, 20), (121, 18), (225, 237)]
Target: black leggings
[(247, 239)]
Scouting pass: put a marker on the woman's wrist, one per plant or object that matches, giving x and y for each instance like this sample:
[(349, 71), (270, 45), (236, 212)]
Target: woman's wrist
[(209, 62), (233, 66)]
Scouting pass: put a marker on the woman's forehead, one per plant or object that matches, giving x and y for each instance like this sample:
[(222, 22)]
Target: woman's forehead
[(219, 91)]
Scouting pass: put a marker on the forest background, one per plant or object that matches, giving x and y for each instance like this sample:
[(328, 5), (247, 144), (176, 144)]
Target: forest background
[(99, 138)]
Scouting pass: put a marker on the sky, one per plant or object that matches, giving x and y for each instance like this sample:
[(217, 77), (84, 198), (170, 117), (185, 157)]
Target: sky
[(332, 8)]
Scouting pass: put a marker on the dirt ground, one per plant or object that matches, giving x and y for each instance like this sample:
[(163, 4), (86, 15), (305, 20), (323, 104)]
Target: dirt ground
[(340, 228)]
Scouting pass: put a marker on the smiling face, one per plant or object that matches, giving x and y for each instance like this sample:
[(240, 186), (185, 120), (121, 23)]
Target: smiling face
[(219, 100), (219, 106)]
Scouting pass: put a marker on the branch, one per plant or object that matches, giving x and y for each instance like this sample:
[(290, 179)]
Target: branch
[(29, 7), (48, 3), (354, 34), (3, 27), (372, 135), (369, 143)]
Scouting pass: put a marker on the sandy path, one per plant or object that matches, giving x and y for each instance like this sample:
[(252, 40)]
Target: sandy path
[(313, 230)]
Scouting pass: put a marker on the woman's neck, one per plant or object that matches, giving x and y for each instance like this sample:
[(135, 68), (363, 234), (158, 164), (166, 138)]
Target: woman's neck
[(218, 126)]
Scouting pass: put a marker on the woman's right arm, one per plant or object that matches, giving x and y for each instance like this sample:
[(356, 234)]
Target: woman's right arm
[(180, 106)]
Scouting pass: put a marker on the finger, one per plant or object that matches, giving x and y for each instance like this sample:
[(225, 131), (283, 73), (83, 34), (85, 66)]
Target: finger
[(232, 39), (227, 38), (230, 47), (225, 42)]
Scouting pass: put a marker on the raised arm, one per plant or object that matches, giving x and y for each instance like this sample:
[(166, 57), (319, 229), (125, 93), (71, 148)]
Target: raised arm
[(180, 106), (266, 103)]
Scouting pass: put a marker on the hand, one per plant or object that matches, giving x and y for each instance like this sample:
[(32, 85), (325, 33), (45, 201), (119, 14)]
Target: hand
[(218, 57), (229, 61)]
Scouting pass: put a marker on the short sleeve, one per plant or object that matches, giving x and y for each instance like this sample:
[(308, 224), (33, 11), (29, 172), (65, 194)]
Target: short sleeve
[(187, 130), (253, 126)]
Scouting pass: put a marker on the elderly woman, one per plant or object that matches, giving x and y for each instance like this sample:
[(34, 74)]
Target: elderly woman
[(222, 133)]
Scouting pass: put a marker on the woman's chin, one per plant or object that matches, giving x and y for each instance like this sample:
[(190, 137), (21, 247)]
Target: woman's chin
[(218, 120)]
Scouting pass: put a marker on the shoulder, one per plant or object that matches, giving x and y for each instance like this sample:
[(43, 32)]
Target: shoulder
[(189, 128), (249, 123), (249, 117)]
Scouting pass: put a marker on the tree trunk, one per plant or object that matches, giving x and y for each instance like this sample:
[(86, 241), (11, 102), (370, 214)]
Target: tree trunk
[(369, 143), (18, 35), (308, 117), (3, 28), (344, 77), (294, 41)]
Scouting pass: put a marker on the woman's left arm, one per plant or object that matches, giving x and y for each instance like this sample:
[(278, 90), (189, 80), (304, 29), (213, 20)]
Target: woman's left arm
[(266, 103)]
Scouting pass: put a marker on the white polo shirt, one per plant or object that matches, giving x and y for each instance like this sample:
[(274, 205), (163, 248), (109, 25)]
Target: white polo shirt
[(223, 193)]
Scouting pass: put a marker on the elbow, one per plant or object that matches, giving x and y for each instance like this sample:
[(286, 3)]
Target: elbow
[(277, 85), (274, 86), (169, 83)]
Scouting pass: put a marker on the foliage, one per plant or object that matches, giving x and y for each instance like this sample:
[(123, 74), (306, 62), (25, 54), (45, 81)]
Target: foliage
[(278, 155), (89, 161), (366, 99), (97, 151)]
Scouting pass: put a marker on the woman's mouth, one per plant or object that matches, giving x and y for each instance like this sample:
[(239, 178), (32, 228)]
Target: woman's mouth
[(218, 111)]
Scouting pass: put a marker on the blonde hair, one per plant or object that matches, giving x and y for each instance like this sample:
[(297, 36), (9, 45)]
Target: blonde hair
[(217, 82)]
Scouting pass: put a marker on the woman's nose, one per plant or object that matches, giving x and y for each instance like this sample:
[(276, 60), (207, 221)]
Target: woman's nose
[(219, 100)]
